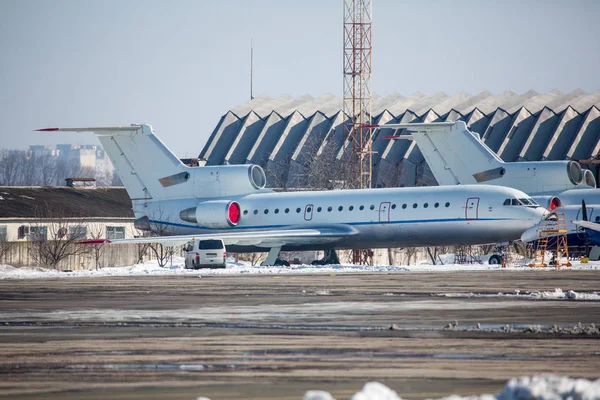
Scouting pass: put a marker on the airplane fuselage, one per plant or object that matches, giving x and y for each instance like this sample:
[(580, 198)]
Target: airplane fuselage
[(378, 218)]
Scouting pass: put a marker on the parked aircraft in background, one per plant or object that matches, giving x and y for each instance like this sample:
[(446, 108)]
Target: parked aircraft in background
[(230, 202), (457, 156)]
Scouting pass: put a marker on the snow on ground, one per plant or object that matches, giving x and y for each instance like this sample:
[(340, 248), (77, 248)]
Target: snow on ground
[(233, 267), (540, 387)]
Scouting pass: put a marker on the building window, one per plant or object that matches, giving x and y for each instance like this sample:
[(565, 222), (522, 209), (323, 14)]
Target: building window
[(78, 232), (115, 232), (3, 233), (23, 232), (38, 233)]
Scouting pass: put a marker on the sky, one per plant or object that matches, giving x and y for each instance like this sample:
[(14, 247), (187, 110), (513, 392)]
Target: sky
[(180, 65)]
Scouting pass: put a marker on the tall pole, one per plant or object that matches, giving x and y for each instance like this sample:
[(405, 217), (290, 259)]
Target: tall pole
[(251, 67), (357, 88)]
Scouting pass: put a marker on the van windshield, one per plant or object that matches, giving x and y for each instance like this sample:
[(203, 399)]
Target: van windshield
[(210, 244)]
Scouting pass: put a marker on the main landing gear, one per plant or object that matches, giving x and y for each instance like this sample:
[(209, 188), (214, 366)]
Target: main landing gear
[(330, 257), (273, 258)]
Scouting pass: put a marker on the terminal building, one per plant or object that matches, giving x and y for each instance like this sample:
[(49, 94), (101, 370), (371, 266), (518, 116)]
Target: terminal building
[(284, 134)]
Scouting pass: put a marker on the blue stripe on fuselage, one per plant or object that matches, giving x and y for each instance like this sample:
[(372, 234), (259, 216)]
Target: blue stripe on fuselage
[(415, 221)]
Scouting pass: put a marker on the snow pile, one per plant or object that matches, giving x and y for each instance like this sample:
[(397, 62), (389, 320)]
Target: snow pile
[(557, 294), (375, 391), (549, 387), (540, 387), (569, 294)]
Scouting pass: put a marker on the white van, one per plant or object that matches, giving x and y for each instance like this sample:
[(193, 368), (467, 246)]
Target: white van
[(208, 253)]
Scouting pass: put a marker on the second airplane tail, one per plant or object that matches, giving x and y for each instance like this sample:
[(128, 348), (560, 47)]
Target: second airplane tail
[(454, 154)]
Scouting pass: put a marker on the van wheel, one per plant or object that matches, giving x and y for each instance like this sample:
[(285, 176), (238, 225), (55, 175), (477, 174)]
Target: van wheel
[(495, 259)]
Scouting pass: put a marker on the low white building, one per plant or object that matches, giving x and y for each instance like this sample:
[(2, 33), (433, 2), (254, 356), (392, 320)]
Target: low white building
[(63, 213)]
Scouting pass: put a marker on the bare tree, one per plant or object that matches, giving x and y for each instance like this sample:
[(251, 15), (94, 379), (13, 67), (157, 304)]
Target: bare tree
[(10, 163), (5, 246), (163, 253), (51, 239), (252, 258), (97, 250)]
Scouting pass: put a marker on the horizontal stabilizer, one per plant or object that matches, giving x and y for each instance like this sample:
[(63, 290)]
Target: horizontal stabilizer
[(106, 130), (420, 126)]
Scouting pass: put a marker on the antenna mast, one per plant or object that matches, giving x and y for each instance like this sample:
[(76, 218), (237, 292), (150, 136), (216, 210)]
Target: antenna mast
[(357, 87), (251, 62)]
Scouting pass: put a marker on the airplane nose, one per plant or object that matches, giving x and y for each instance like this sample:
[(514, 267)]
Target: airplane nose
[(530, 234)]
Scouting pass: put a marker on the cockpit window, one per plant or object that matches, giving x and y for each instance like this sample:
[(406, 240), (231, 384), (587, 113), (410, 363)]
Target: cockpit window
[(529, 202), (525, 201)]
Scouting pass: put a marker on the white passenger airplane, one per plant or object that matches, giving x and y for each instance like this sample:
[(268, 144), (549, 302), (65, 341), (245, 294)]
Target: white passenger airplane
[(456, 155), (231, 202)]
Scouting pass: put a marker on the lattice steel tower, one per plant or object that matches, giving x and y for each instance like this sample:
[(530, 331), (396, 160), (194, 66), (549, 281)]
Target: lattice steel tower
[(357, 87)]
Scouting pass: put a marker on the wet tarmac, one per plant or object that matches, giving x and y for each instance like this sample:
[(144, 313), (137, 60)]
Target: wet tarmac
[(277, 336)]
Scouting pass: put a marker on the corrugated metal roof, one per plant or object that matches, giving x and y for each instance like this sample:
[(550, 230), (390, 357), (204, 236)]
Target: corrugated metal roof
[(529, 126), (64, 202)]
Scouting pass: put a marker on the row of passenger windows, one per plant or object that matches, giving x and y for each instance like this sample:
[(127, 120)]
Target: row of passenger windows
[(350, 208)]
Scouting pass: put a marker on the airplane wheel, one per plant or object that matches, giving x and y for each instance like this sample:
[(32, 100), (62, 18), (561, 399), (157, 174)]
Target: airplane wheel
[(495, 259), (279, 262)]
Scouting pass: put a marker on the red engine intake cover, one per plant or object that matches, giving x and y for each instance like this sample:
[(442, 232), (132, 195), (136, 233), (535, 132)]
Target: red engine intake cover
[(233, 213), (554, 203)]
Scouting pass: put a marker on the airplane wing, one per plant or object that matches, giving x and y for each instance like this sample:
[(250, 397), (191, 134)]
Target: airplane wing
[(262, 238), (588, 225)]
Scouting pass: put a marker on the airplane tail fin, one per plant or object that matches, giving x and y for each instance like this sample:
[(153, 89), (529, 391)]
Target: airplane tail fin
[(454, 154), (147, 168)]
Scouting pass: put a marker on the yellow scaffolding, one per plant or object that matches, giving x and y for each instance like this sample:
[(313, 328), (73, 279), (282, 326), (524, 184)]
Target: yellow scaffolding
[(551, 231)]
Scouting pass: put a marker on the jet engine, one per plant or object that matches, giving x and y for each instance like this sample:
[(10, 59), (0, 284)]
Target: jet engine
[(213, 214), (546, 176), (228, 180), (588, 178)]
